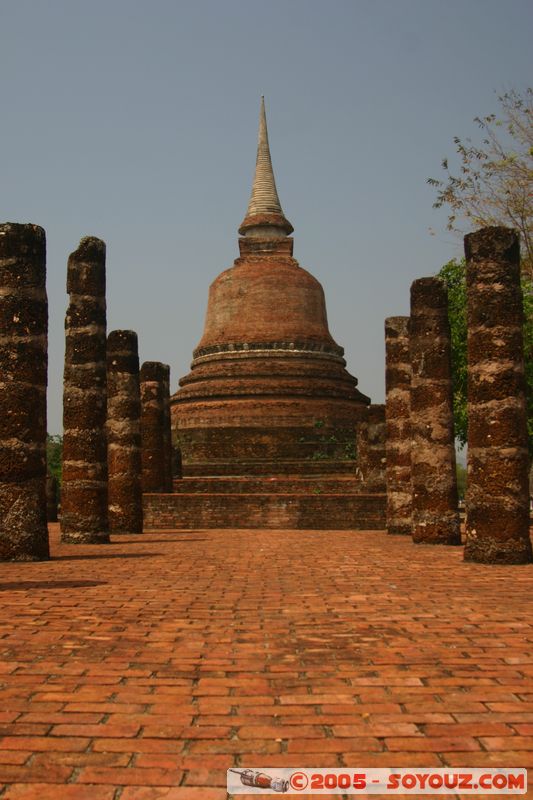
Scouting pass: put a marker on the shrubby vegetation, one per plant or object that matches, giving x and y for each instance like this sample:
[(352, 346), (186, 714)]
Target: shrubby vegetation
[(491, 184), (54, 451), (454, 274)]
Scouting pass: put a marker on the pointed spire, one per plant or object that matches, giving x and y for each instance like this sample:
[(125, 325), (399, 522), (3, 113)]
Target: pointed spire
[(264, 197), (264, 216)]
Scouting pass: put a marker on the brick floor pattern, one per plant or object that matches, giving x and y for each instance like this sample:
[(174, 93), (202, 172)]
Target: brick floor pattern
[(143, 669)]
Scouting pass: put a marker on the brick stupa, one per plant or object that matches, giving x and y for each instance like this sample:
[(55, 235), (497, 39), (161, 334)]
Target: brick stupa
[(268, 387), (268, 408)]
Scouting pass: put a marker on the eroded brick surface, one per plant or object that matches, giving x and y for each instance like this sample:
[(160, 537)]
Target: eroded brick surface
[(84, 486), (156, 457), (265, 508), (169, 461), (23, 365), (398, 415), (497, 497), (124, 433), (435, 515), (154, 664)]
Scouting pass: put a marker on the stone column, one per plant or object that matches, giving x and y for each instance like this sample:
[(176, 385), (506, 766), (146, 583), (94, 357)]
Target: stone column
[(154, 440), (23, 378), (371, 443), (497, 497), (167, 429), (433, 472), (84, 484), (397, 414), (124, 433)]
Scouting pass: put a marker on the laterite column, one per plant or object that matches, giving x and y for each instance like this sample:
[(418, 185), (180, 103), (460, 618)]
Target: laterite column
[(497, 499), (154, 440), (124, 433), (84, 484), (23, 378), (433, 472), (167, 430), (397, 414), (371, 443)]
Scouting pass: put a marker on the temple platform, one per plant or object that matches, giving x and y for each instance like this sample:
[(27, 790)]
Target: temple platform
[(276, 503)]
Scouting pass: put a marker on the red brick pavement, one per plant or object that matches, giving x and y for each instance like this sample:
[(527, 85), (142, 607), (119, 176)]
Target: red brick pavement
[(143, 669)]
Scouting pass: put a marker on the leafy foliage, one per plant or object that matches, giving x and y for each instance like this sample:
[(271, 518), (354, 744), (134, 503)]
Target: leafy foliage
[(461, 481), (494, 182), (454, 274), (54, 453)]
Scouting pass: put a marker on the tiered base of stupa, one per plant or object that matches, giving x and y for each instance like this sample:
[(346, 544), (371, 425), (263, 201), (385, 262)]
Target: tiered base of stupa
[(268, 441), (291, 477)]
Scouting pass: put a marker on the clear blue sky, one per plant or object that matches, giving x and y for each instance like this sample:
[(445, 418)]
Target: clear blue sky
[(136, 122)]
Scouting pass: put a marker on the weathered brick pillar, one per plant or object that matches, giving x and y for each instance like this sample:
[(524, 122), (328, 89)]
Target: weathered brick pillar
[(371, 443), (84, 484), (397, 414), (433, 473), (497, 497), (23, 378), (154, 439), (124, 433), (167, 429)]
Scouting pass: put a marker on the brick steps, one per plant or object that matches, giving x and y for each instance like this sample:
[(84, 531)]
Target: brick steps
[(281, 484), (274, 511), (261, 468)]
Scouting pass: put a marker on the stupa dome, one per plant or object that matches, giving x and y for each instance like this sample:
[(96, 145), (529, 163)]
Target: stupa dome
[(267, 370)]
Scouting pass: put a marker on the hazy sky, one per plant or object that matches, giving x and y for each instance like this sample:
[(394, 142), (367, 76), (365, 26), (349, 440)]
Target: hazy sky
[(136, 121)]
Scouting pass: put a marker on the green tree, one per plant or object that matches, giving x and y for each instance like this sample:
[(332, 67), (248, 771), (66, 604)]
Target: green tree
[(54, 454), (454, 275), (493, 181), (461, 481)]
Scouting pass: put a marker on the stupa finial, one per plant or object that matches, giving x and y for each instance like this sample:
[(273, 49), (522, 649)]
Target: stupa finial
[(264, 216)]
